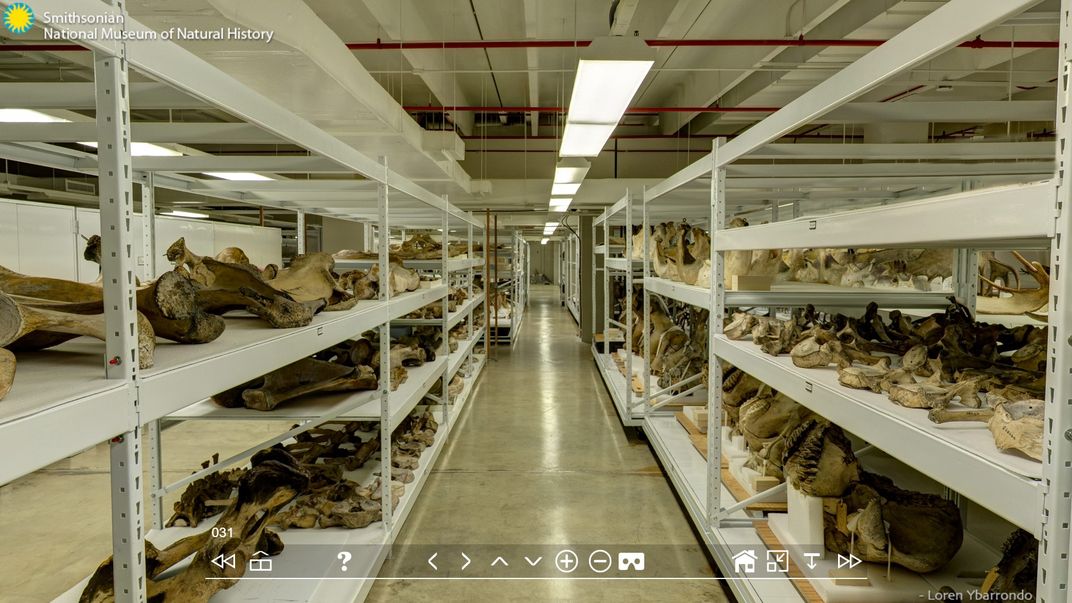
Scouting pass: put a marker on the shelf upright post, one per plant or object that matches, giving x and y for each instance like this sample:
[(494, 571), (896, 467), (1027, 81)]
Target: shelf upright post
[(156, 445), (301, 231), (444, 392), (120, 312), (966, 270), (628, 334), (714, 366), (384, 242), (148, 219), (606, 287), (647, 311), (1053, 562), (471, 273)]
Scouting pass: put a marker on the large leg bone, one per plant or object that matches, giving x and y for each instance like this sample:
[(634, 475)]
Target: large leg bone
[(19, 322), (305, 376)]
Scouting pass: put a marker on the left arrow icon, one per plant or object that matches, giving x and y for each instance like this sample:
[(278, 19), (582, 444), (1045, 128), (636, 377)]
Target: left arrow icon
[(431, 559), (467, 560)]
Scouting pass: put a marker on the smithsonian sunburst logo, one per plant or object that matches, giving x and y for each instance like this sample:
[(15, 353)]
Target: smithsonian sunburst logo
[(18, 18)]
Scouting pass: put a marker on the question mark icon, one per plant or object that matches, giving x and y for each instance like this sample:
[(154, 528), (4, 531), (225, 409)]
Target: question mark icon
[(345, 557)]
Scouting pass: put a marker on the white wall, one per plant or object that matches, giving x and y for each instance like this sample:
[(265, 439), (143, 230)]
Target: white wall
[(47, 240)]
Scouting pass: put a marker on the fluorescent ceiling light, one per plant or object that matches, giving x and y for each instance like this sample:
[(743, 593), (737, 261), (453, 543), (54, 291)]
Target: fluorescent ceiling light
[(560, 205), (602, 90), (178, 213), (571, 170), (143, 149), (565, 190), (28, 116), (544, 241), (240, 176), (585, 140)]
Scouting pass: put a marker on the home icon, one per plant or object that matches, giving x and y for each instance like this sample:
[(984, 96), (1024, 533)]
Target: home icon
[(745, 562)]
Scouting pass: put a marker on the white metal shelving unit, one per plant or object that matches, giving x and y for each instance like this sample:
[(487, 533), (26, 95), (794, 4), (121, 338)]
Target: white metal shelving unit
[(100, 395), (1033, 496), (506, 329), (571, 275), (617, 264)]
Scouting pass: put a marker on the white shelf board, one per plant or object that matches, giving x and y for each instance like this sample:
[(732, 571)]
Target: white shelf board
[(453, 265), (60, 404), (248, 349), (457, 358), (960, 455), (687, 470), (799, 294), (624, 265), (1016, 214), (453, 318), (365, 405)]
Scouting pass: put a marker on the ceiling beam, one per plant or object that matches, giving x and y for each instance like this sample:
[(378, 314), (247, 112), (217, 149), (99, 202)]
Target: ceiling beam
[(925, 39), (79, 95)]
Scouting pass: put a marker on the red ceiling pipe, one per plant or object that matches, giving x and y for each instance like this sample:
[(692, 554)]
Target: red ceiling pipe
[(977, 43), (631, 110)]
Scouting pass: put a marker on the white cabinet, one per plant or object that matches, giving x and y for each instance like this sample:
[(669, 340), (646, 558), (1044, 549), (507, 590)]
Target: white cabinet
[(46, 241), (9, 237)]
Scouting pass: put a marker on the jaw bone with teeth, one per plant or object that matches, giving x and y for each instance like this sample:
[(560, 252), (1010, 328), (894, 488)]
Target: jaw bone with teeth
[(877, 521)]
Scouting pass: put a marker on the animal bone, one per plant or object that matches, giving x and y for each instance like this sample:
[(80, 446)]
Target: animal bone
[(930, 395), (1014, 425), (19, 323), (740, 325), (305, 376), (240, 287), (265, 489), (7, 371), (1017, 571), (1022, 300), (310, 278), (818, 459), (920, 532), (194, 504), (169, 303)]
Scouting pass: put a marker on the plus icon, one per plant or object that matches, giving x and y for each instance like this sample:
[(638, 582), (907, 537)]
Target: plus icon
[(566, 561)]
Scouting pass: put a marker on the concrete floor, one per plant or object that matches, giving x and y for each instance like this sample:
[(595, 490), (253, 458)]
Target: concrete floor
[(539, 459)]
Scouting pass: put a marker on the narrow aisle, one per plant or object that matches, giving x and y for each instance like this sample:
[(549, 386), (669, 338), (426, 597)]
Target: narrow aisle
[(541, 459)]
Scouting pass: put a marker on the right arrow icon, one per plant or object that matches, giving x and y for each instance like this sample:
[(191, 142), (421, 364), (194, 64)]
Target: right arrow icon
[(467, 560)]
